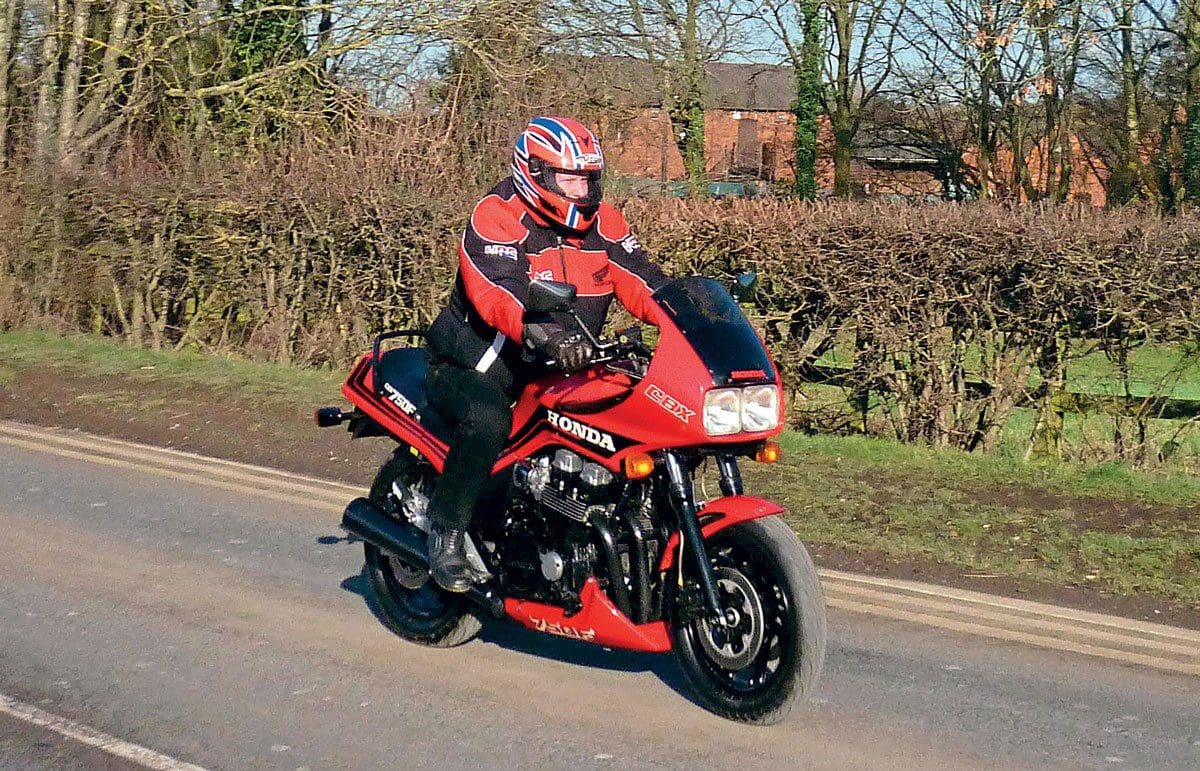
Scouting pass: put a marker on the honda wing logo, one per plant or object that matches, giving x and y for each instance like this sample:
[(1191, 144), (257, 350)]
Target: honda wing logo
[(669, 403), (586, 433)]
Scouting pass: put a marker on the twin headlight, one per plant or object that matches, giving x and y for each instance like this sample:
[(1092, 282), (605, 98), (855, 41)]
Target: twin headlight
[(733, 410)]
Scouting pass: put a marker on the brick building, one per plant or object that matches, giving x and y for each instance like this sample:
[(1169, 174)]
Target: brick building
[(749, 131)]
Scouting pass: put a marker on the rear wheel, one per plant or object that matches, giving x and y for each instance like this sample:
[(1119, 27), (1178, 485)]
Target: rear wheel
[(414, 607), (406, 599), (772, 649)]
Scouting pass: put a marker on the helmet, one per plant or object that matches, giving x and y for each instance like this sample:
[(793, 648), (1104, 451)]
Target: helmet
[(549, 147)]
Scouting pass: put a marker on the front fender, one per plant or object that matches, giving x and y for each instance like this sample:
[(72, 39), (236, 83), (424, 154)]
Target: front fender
[(719, 514)]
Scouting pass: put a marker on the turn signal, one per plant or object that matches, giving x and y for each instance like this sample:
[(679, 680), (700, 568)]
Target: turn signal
[(639, 466), (770, 452)]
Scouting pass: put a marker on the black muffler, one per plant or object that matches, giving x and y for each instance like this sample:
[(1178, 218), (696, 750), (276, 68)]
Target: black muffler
[(363, 519)]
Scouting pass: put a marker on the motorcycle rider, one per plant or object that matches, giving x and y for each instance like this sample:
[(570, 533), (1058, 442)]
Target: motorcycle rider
[(546, 221)]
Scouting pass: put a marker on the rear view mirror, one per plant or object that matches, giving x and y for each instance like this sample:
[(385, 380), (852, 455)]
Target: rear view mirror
[(744, 287), (547, 296)]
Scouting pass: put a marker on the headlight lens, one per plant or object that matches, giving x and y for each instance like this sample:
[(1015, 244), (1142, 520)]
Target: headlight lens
[(760, 408), (732, 410), (723, 411)]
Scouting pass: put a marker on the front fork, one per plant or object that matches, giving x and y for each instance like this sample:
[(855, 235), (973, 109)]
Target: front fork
[(684, 499)]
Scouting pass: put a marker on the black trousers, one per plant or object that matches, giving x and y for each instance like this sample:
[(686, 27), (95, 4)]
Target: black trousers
[(480, 412)]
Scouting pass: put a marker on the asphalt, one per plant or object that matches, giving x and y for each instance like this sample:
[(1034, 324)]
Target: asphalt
[(221, 621)]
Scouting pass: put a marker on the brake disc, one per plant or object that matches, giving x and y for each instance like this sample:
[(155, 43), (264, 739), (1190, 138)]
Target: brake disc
[(736, 644)]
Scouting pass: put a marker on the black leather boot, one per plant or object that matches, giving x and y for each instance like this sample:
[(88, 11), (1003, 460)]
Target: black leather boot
[(448, 559)]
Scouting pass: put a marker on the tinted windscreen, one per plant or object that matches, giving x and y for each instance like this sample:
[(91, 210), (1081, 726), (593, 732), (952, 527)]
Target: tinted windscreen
[(714, 325)]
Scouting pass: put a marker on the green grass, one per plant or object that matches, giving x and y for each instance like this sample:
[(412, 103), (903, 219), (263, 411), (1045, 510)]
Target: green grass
[(124, 366), (1167, 370), (1105, 525), (1154, 371), (1110, 481), (992, 515)]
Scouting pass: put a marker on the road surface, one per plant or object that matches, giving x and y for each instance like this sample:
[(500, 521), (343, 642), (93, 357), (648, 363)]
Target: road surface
[(211, 614)]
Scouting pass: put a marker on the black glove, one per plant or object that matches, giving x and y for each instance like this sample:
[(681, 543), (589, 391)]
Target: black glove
[(570, 351)]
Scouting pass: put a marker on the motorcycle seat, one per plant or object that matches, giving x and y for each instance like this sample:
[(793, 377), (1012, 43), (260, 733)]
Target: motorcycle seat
[(402, 371)]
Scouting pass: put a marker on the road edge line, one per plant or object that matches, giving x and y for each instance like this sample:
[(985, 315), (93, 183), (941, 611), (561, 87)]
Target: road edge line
[(91, 737)]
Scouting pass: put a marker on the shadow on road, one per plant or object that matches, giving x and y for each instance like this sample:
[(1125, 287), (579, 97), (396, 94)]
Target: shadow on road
[(517, 639)]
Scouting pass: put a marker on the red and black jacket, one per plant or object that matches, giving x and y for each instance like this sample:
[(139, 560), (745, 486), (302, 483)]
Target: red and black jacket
[(502, 249)]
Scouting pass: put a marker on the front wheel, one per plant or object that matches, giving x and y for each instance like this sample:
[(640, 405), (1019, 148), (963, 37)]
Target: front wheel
[(772, 650)]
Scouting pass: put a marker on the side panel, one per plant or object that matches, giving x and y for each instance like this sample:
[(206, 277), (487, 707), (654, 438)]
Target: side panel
[(720, 514), (393, 420)]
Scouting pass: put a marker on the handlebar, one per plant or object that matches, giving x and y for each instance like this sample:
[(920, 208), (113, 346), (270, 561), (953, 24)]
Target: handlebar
[(610, 350), (622, 345)]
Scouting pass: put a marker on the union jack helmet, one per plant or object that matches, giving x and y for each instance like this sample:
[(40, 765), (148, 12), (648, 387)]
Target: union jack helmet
[(549, 147)]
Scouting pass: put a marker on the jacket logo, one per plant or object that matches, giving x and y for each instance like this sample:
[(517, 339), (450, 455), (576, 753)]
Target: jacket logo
[(500, 250), (669, 403), (586, 433), (630, 244), (399, 399), (600, 275), (553, 627), (541, 275)]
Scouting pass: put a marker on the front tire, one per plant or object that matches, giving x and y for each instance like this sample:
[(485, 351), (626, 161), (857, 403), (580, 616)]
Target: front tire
[(754, 670), (407, 601)]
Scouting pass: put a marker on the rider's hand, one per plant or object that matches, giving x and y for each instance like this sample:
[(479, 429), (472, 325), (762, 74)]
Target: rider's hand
[(571, 352)]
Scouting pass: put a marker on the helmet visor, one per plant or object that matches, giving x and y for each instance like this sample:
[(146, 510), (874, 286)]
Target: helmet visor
[(582, 188)]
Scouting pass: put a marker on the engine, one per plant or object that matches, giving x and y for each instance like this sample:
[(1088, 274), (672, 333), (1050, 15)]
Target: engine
[(549, 540), (568, 485), (561, 525)]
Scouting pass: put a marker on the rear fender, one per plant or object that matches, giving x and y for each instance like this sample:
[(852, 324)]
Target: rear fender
[(720, 514)]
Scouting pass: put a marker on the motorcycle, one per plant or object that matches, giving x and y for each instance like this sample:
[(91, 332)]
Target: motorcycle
[(591, 529)]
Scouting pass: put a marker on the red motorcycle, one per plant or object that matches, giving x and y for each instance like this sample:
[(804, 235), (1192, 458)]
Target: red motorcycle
[(592, 529)]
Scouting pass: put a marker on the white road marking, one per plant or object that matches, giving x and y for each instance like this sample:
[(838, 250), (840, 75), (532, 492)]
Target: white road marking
[(93, 738)]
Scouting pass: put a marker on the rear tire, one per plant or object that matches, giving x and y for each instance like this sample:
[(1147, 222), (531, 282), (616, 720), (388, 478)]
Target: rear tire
[(755, 671), (418, 610), (426, 615)]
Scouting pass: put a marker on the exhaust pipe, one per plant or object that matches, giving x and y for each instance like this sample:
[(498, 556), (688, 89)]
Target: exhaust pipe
[(363, 519)]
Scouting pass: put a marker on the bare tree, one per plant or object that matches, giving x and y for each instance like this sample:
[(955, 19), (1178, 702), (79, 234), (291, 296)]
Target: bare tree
[(1117, 78), (864, 45), (1188, 22), (1127, 171), (677, 38), (973, 57), (10, 35), (101, 69), (1059, 28), (1178, 84)]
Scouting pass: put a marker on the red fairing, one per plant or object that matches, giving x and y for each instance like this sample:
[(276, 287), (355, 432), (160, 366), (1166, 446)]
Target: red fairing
[(661, 411), (599, 622), (728, 512)]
